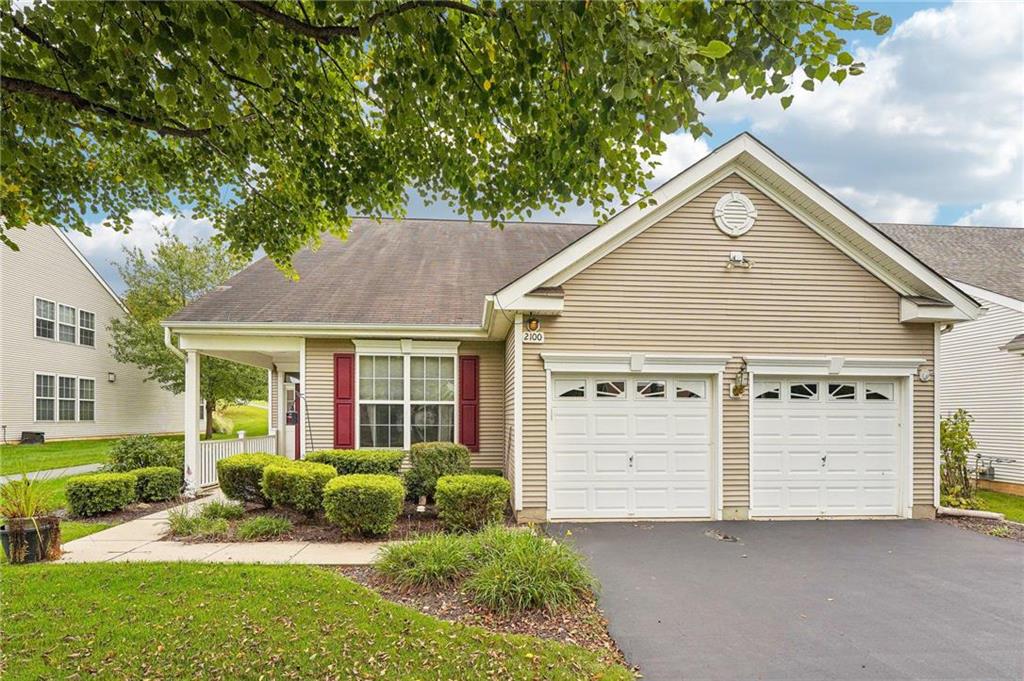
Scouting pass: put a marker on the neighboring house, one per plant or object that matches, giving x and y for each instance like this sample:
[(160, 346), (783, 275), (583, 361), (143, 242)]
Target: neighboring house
[(981, 365), (57, 374), (746, 346)]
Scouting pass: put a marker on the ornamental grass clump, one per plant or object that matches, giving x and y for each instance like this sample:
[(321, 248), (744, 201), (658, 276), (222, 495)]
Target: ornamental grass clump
[(228, 510), (430, 562), (263, 527), (186, 522)]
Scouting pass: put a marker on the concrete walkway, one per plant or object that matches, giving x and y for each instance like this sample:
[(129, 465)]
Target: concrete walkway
[(52, 473), (139, 540)]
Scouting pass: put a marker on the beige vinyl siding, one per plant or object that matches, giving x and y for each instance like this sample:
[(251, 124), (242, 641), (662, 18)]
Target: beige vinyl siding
[(989, 383), (46, 267), (319, 390), (667, 290), (492, 401)]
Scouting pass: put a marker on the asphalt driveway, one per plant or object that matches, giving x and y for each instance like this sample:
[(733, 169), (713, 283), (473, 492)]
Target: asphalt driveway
[(810, 599)]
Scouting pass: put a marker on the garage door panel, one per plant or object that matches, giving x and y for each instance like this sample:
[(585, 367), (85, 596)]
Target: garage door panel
[(630, 456), (826, 456)]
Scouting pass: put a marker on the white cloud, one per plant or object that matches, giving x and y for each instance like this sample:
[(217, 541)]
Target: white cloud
[(680, 153), (995, 214), (888, 206), (938, 116)]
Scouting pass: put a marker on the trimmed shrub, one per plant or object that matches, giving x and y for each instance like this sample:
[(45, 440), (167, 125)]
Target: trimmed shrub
[(487, 471), (364, 504), (366, 461), (145, 451), (263, 527), (523, 571), (157, 483), (241, 476), (97, 493), (429, 562), (228, 510), (297, 484), (432, 460), (469, 502)]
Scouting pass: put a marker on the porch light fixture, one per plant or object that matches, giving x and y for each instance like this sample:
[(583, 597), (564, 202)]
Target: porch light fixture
[(737, 259), (739, 384), (111, 377), (533, 324)]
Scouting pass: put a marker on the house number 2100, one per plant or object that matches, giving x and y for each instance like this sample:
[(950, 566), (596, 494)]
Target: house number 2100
[(533, 336)]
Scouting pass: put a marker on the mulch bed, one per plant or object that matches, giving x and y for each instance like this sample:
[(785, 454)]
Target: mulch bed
[(993, 528), (583, 625), (136, 510)]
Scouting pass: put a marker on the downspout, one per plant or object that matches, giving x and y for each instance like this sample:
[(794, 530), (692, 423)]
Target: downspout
[(171, 346)]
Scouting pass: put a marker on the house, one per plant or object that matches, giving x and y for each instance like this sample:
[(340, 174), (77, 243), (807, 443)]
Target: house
[(982, 362), (57, 373), (744, 347)]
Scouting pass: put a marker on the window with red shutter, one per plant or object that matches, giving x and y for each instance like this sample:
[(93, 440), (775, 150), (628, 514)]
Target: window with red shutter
[(344, 401), (469, 402)]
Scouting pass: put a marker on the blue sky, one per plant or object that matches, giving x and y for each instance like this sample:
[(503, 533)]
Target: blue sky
[(933, 132)]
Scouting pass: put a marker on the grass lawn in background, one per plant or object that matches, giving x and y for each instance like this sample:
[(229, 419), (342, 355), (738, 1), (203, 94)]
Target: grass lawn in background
[(1010, 505), (191, 620), (252, 418)]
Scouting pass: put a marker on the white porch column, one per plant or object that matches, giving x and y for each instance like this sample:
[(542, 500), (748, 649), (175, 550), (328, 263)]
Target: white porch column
[(191, 423), (279, 443)]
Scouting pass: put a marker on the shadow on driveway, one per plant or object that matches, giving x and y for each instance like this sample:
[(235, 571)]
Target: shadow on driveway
[(809, 599)]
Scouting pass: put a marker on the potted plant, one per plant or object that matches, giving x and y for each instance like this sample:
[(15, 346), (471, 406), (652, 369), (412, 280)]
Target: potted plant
[(30, 532)]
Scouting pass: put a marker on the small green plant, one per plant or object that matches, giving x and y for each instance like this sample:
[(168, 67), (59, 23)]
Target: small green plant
[(429, 461), (368, 461), (429, 562), (145, 451), (228, 510), (1003, 531), (298, 485), (25, 504), (469, 502), (263, 527), (185, 522), (364, 504), (956, 442), (241, 476), (97, 493), (157, 483)]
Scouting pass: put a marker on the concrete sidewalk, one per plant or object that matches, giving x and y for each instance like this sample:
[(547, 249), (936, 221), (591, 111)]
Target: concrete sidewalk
[(139, 540), (52, 473)]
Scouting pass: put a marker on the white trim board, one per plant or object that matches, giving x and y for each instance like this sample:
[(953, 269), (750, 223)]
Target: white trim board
[(833, 365), (633, 363), (991, 296)]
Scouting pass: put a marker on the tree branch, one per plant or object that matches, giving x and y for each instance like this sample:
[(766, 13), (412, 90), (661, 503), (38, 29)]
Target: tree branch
[(22, 86), (329, 33)]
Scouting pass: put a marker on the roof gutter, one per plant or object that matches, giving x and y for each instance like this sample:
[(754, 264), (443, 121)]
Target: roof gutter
[(170, 344)]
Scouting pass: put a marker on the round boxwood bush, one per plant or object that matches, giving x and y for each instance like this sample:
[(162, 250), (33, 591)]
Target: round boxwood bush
[(364, 504), (432, 460), (298, 485), (369, 461), (157, 483), (145, 451), (97, 493), (241, 476), (468, 502)]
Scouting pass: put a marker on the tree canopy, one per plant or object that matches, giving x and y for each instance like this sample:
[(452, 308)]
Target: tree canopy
[(279, 120), (177, 274)]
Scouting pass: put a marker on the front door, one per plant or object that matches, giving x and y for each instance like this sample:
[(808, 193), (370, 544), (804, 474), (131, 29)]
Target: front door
[(292, 428)]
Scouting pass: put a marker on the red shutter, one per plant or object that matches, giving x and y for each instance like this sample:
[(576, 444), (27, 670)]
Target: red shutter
[(469, 402), (344, 401)]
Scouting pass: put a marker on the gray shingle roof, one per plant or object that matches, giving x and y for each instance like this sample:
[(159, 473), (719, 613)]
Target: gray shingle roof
[(991, 258), (397, 272)]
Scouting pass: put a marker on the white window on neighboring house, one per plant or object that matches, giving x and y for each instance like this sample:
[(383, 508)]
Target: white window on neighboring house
[(432, 399), (86, 399), (67, 398), (46, 319), (67, 328), (46, 409), (86, 328)]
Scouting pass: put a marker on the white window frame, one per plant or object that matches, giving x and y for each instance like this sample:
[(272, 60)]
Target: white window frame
[(36, 397), (80, 400), (407, 348), (82, 327), (74, 327), (454, 402), (404, 402), (36, 318)]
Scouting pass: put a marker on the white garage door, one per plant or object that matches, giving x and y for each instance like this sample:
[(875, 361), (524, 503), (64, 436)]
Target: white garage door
[(626, 447), (825, 447)]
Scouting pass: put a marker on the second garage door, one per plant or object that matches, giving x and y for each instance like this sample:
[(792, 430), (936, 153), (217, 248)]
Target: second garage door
[(627, 447)]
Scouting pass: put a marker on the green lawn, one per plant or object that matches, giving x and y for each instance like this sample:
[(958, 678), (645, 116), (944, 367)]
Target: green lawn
[(1010, 505), (16, 459), (189, 620)]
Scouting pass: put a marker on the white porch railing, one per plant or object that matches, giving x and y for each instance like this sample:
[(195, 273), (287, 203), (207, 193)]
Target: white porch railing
[(212, 451)]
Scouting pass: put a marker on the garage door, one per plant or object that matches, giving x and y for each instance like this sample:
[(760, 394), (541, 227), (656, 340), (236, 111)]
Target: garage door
[(825, 447), (626, 447)]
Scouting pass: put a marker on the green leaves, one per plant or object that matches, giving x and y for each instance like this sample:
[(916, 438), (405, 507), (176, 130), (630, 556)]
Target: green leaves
[(277, 131)]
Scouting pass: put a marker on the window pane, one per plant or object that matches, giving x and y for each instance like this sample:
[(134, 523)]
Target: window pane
[(610, 388), (44, 410), (87, 337), (432, 422), (44, 329), (86, 410), (66, 410), (380, 367), (448, 368), (767, 390), (380, 425), (66, 333), (45, 309), (67, 315), (67, 387), (416, 388), (650, 389), (571, 388), (690, 390), (44, 386), (878, 391), (86, 320), (86, 388), (803, 391), (842, 391)]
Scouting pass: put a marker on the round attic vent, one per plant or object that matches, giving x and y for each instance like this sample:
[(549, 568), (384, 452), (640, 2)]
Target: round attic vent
[(735, 214)]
